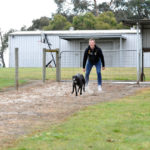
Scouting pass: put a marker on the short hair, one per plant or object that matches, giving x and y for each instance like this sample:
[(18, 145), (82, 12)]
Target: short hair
[(91, 39)]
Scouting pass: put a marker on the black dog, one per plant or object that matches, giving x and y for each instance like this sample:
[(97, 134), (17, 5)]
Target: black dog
[(78, 80)]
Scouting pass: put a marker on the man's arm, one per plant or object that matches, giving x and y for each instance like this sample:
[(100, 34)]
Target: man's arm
[(102, 59)]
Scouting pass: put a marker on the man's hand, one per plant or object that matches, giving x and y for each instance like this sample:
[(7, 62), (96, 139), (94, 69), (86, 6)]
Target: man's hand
[(103, 68), (83, 69)]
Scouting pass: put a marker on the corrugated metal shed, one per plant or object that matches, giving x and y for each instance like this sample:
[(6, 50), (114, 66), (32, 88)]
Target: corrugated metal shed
[(30, 45), (143, 42)]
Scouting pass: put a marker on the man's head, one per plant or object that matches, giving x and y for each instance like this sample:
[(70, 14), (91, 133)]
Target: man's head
[(92, 43)]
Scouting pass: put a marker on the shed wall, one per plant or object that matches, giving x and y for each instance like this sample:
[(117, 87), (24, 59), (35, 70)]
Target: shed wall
[(30, 50)]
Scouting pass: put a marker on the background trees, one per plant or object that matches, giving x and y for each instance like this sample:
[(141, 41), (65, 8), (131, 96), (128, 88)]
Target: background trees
[(58, 22), (39, 23), (86, 15), (4, 44), (91, 14)]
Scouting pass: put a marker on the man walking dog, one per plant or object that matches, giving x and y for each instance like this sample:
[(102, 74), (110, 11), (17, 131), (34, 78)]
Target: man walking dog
[(93, 56)]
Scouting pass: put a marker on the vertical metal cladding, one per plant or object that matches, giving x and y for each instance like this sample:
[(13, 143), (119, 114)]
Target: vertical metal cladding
[(30, 49)]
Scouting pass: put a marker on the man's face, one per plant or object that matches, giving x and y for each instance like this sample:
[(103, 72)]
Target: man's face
[(92, 44)]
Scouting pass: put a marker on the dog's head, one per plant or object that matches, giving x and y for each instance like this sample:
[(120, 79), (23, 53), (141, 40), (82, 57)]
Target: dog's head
[(75, 79)]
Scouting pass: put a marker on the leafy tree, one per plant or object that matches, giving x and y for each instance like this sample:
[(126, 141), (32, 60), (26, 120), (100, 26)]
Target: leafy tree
[(39, 23), (107, 20), (139, 9), (24, 28), (81, 6), (59, 5), (131, 9), (4, 43), (104, 20), (58, 22), (83, 22), (69, 17), (103, 7)]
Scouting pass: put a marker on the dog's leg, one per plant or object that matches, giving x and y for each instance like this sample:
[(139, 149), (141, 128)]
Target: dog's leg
[(76, 90), (81, 90), (73, 87)]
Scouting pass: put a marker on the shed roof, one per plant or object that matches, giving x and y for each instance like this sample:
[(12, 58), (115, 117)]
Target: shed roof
[(142, 22), (95, 36), (74, 32)]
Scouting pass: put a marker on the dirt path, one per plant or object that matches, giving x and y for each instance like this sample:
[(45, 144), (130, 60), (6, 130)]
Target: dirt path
[(36, 106)]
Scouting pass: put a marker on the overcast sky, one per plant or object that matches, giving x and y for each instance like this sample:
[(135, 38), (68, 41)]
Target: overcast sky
[(17, 13)]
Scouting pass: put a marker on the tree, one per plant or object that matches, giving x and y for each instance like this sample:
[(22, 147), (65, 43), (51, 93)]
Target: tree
[(59, 5), (38, 24), (84, 22), (103, 7), (4, 44), (131, 9), (24, 28), (107, 20), (139, 9), (81, 6), (58, 22), (95, 8)]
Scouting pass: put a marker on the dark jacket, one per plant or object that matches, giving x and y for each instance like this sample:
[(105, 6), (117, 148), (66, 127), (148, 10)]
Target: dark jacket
[(93, 56)]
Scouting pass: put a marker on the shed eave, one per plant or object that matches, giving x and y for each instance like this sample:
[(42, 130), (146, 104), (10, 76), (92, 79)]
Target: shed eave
[(74, 32), (132, 22), (84, 37)]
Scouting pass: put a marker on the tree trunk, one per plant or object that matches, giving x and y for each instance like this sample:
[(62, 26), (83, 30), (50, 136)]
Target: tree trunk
[(111, 2), (2, 57), (1, 49), (96, 9)]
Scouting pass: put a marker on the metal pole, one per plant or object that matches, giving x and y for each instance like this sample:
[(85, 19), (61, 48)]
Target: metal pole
[(121, 53), (138, 55), (59, 58), (57, 66), (16, 68), (141, 55), (44, 67)]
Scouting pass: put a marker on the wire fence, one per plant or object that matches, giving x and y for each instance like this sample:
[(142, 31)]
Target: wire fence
[(120, 65)]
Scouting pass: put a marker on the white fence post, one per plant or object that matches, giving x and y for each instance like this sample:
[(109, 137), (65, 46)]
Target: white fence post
[(138, 55), (16, 68), (58, 72), (44, 65)]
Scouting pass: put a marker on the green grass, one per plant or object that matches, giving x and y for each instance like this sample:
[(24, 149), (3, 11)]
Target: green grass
[(7, 75), (117, 125)]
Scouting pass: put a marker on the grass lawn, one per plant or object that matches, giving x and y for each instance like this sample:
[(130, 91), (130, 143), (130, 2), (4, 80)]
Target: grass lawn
[(119, 125), (7, 75)]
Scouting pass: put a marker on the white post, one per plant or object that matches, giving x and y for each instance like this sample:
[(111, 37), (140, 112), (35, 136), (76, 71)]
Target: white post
[(16, 68), (44, 66), (58, 66)]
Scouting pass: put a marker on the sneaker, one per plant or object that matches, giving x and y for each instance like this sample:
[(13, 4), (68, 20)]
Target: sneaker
[(100, 88), (88, 90)]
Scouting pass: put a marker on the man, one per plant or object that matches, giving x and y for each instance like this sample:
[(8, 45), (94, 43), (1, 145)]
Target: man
[(93, 56)]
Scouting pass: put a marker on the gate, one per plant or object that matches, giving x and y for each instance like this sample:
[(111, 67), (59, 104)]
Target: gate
[(120, 65)]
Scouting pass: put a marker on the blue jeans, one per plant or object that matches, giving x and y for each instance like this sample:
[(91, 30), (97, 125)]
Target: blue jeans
[(89, 66)]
